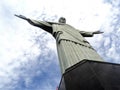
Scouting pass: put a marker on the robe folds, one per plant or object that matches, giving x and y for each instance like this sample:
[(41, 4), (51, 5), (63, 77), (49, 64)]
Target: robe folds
[(72, 47)]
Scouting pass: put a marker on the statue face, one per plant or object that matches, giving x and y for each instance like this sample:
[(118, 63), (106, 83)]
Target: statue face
[(62, 20)]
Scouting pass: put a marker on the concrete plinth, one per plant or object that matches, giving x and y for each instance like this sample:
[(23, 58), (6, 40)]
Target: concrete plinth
[(91, 75)]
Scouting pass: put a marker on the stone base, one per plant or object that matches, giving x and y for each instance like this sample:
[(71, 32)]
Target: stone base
[(91, 75)]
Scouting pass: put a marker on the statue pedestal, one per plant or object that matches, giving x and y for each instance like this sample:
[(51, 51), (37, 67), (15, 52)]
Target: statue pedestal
[(91, 75)]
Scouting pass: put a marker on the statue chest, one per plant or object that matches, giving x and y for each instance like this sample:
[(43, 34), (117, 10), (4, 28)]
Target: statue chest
[(67, 32)]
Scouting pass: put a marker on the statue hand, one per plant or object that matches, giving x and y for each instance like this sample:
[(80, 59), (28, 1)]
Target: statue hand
[(97, 32), (21, 16)]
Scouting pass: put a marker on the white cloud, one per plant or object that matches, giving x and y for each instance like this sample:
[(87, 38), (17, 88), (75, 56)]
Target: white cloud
[(111, 36), (21, 53)]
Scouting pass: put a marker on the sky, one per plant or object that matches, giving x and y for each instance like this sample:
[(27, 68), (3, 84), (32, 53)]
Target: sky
[(28, 55)]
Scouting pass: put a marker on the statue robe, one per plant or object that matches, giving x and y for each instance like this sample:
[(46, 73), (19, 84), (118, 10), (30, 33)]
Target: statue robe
[(72, 47)]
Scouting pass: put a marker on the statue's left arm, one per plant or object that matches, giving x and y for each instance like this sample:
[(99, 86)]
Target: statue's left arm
[(89, 34)]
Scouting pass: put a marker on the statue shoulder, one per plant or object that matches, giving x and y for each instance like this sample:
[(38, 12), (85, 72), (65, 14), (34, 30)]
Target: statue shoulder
[(52, 23)]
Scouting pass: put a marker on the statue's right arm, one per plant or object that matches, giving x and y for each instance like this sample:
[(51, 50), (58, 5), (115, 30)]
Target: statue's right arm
[(41, 24)]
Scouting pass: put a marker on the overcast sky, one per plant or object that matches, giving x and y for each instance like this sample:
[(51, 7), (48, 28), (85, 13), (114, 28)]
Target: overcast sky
[(28, 56)]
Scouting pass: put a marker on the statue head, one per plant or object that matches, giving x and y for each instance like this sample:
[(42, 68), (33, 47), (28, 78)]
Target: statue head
[(62, 20)]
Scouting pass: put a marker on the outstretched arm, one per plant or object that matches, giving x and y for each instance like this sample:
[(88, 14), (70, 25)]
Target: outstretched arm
[(97, 32), (44, 25), (89, 34)]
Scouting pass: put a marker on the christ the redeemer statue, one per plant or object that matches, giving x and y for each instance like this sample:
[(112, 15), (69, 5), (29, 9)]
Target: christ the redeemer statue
[(72, 47)]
